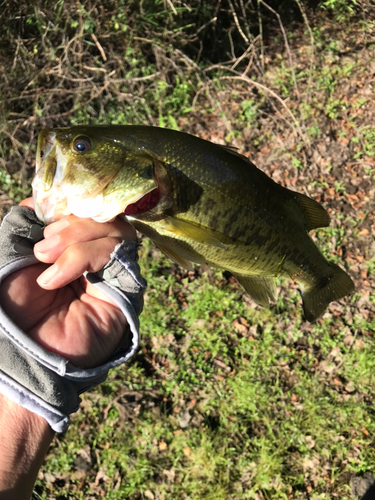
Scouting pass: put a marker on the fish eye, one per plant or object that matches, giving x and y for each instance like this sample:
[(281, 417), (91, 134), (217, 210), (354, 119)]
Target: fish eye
[(82, 144)]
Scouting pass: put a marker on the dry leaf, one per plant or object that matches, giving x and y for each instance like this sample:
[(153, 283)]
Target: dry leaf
[(187, 451), (163, 445)]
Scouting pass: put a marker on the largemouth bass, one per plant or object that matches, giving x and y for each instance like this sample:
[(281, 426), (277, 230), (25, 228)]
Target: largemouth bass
[(198, 201)]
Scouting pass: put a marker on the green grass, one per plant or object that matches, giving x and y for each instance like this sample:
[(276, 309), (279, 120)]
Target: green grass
[(266, 417), (13, 186)]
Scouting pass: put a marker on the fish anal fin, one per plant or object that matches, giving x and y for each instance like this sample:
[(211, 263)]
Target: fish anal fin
[(315, 214), (192, 231), (175, 257), (261, 289)]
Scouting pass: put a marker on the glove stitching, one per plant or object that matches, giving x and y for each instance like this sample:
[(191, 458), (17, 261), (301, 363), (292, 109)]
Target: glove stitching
[(28, 394), (24, 347)]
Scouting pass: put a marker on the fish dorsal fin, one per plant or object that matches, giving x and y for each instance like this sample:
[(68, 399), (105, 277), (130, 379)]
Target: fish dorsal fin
[(233, 150), (186, 264), (261, 289), (315, 214), (192, 231)]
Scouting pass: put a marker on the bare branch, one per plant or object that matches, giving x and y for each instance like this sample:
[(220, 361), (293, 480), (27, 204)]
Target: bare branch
[(237, 23), (267, 90), (286, 46), (100, 48)]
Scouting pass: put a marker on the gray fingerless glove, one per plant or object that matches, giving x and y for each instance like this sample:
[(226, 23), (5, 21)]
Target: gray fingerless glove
[(35, 378)]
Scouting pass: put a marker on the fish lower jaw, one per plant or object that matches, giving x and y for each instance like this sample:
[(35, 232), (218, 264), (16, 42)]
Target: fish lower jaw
[(49, 210)]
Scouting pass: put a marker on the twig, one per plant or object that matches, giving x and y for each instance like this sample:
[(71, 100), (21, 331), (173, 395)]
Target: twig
[(141, 39), (130, 99), (312, 45), (261, 36), (245, 17), (286, 46), (197, 94), (249, 48), (100, 48), (187, 59), (75, 108), (237, 22), (136, 79), (172, 7), (16, 143), (91, 68), (266, 90), (233, 54), (250, 62), (16, 54), (213, 20)]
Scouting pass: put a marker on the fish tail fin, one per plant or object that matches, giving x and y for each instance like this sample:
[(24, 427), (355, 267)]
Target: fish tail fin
[(331, 287)]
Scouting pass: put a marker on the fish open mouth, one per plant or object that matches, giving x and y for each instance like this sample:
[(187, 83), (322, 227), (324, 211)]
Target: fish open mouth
[(143, 205)]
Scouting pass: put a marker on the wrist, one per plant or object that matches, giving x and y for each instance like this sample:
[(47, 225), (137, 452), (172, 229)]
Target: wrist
[(25, 438)]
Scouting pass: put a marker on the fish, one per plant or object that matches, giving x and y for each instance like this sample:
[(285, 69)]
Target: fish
[(199, 202)]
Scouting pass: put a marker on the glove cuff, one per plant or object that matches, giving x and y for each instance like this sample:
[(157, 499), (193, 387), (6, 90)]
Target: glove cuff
[(37, 379)]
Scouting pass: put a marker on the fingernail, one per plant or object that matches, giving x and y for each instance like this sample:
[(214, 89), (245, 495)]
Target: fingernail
[(55, 227), (46, 277), (46, 245)]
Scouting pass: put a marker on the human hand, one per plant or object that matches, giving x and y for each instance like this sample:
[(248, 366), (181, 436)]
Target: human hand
[(55, 304), (59, 309)]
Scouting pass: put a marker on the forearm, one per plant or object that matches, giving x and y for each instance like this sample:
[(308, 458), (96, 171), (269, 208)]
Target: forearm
[(24, 441)]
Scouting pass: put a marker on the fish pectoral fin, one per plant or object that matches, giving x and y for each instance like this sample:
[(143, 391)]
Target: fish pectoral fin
[(261, 289), (315, 214), (168, 252), (192, 231)]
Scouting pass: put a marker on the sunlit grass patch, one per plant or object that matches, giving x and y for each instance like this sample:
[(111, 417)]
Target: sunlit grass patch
[(220, 411)]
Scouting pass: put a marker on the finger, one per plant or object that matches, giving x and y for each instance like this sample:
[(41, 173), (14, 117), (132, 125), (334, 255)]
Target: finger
[(73, 230), (56, 227), (27, 202), (103, 228), (76, 259)]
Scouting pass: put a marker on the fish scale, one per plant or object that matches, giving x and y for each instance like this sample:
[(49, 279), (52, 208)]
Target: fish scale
[(214, 206)]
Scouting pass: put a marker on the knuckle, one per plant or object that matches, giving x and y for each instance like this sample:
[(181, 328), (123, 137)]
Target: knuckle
[(74, 252)]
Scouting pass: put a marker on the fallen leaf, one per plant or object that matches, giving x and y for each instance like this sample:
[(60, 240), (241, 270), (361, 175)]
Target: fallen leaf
[(170, 474), (187, 451), (192, 403)]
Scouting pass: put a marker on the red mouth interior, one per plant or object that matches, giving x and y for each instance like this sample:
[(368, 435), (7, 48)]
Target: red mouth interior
[(146, 203)]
